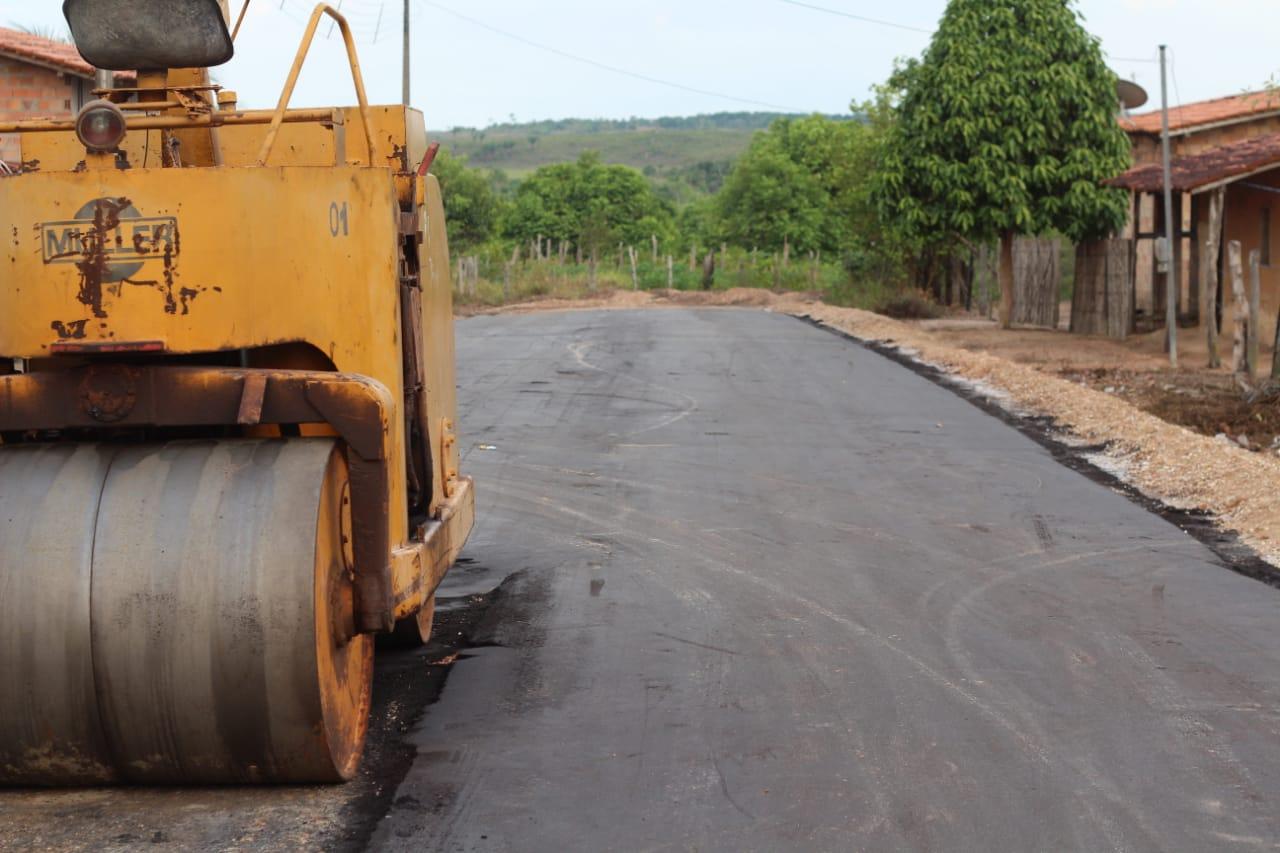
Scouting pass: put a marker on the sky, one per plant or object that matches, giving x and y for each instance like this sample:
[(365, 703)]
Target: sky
[(478, 62)]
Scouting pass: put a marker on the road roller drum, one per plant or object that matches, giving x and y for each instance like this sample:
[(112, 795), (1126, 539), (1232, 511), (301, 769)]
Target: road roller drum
[(211, 639)]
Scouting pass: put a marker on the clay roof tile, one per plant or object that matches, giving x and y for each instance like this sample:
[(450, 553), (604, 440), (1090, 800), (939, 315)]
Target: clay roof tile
[(61, 56)]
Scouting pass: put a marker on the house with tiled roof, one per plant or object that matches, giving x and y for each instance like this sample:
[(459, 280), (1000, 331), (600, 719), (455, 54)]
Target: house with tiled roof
[(40, 78), (1229, 147)]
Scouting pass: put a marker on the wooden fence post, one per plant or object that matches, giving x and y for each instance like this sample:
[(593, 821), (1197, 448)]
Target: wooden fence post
[(1241, 306), (1209, 269), (506, 281), (1035, 282), (693, 257), (1255, 309), (671, 273), (654, 239), (591, 270), (635, 278), (1275, 352)]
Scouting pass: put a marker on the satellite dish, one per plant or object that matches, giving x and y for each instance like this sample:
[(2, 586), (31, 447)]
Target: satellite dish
[(1131, 94)]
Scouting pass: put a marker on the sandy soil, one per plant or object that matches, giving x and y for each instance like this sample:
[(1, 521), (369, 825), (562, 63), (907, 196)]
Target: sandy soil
[(1122, 395)]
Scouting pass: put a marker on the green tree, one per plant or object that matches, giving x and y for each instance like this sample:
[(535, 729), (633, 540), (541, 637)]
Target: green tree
[(471, 208), (588, 204), (770, 199), (807, 181), (1005, 127)]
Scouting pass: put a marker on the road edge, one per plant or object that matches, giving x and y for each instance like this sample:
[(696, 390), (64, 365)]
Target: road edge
[(1227, 545)]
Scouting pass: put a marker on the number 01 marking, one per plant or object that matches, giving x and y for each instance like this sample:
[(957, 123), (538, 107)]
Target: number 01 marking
[(339, 222)]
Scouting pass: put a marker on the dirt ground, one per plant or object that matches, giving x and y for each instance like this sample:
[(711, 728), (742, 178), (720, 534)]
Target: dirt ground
[(1179, 436), (1137, 370)]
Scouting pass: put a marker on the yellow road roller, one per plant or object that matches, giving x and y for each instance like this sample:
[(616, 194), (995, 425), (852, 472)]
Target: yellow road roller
[(228, 455)]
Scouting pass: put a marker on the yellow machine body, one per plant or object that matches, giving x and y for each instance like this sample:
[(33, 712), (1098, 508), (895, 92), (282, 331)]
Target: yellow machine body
[(188, 288)]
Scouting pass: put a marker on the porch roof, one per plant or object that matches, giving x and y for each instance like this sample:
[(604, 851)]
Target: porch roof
[(1208, 169)]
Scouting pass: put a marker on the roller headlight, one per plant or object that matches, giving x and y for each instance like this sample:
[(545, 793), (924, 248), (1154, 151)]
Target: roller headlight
[(100, 126)]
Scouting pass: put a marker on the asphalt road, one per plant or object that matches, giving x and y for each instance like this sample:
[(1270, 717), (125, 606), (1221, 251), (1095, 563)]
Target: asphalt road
[(760, 588), (773, 591)]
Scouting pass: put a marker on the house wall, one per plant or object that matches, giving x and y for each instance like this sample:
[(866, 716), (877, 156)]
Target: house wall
[(1146, 147), (1245, 209), (30, 91)]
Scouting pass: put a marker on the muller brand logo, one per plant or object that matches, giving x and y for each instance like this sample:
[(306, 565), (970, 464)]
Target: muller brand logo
[(111, 235)]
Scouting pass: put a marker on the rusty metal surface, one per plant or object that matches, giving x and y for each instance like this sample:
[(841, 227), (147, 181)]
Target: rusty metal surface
[(129, 264), (358, 408), (419, 567)]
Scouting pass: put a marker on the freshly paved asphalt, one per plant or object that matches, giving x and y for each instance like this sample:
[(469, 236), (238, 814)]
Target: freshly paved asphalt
[(773, 591)]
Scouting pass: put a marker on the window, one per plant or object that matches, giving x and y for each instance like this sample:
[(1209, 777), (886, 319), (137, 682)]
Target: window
[(1265, 245)]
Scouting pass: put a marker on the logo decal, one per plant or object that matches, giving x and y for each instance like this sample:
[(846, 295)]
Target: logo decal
[(111, 235)]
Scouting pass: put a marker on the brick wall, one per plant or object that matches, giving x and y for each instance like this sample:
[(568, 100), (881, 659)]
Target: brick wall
[(30, 91)]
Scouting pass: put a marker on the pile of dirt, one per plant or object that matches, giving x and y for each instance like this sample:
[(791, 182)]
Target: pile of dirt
[(745, 297), (1208, 402), (1168, 462)]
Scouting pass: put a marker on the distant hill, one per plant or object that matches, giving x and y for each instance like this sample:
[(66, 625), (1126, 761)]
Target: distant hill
[(684, 157)]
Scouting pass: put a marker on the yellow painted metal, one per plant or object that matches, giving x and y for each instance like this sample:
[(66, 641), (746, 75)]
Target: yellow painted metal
[(303, 252), (320, 11), (182, 287)]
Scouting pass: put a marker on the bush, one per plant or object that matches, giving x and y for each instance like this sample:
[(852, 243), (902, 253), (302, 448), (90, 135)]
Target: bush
[(909, 306)]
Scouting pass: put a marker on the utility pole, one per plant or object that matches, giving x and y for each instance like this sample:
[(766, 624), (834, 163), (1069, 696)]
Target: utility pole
[(407, 64), (1172, 283)]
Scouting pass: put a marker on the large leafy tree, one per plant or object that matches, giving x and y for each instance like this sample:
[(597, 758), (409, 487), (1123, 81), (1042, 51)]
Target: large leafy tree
[(1006, 126), (588, 204)]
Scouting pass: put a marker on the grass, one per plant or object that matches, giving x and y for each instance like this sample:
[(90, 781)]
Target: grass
[(531, 280)]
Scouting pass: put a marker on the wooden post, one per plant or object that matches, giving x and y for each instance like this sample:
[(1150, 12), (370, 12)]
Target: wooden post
[(709, 269), (1194, 277), (755, 252), (693, 257), (591, 270), (1006, 280), (506, 282), (671, 273), (654, 239), (1255, 309), (635, 277), (1089, 295), (1275, 352), (786, 252), (1209, 269), (1240, 304)]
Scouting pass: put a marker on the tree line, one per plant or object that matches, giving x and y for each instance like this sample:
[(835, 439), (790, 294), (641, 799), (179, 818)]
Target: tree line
[(1005, 126)]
